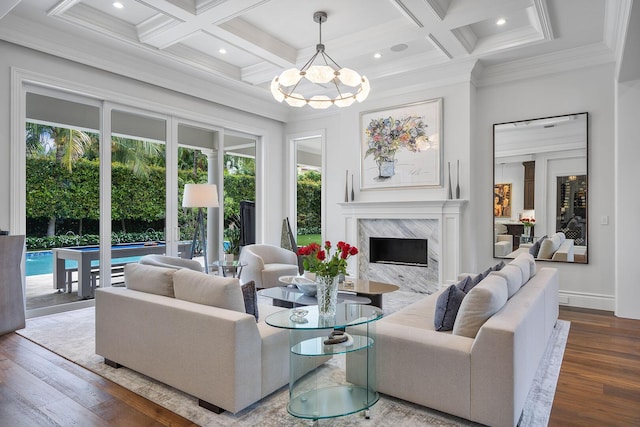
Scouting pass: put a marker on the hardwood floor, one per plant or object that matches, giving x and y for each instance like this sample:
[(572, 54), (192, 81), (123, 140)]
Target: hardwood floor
[(40, 388), (599, 383)]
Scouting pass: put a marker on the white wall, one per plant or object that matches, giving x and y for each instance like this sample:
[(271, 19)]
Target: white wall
[(133, 92), (585, 90), (627, 199)]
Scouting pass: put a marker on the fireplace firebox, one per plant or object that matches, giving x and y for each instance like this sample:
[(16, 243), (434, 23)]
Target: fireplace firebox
[(398, 251)]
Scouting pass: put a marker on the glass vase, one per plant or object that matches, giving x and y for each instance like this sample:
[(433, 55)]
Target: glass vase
[(327, 295)]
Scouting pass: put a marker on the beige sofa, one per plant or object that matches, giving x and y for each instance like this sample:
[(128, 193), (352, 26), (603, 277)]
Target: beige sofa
[(222, 356), (555, 248), (484, 378)]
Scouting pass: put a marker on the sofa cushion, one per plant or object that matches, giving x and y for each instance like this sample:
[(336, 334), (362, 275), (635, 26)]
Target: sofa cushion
[(527, 264), (250, 297), (149, 279), (550, 245), (205, 289), (447, 307), (480, 304), (512, 275)]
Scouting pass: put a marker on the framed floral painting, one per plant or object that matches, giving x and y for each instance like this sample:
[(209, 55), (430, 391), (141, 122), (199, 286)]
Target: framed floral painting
[(402, 146)]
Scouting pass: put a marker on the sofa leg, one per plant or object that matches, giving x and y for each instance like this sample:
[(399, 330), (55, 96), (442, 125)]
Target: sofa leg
[(210, 406), (111, 363)]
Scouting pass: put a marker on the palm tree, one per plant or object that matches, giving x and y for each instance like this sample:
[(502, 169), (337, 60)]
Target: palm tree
[(70, 144), (138, 155)]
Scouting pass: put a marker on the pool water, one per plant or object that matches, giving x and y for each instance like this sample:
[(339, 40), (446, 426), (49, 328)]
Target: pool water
[(41, 262)]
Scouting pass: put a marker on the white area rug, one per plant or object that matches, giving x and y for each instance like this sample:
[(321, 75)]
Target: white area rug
[(72, 336)]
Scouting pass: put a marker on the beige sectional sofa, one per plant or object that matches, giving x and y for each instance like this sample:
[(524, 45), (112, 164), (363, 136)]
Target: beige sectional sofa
[(164, 325), (483, 377), (554, 248)]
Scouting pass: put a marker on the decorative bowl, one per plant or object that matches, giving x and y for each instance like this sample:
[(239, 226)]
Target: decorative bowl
[(306, 286)]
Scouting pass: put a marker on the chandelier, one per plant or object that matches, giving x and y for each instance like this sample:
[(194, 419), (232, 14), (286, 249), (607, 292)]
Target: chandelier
[(345, 85)]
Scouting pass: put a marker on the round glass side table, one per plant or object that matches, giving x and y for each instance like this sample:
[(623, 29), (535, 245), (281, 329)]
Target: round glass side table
[(351, 387)]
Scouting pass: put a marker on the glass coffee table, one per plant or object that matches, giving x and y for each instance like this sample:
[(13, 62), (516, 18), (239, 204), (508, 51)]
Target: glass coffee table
[(360, 287), (317, 394), (290, 296)]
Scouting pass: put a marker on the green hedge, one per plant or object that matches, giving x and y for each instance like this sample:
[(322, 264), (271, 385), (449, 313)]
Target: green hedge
[(53, 191), (309, 202)]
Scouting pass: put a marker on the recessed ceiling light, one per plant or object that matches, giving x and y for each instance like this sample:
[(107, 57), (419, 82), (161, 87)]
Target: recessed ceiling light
[(118, 5), (222, 50), (501, 21), (377, 55)]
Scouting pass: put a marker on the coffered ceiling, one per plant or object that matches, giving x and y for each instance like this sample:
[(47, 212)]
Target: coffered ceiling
[(244, 43)]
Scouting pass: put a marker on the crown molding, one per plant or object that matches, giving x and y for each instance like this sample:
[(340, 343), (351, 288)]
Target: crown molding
[(566, 60)]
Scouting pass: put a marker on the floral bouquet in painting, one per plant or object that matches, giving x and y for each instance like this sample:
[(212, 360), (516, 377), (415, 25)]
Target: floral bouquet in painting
[(386, 136)]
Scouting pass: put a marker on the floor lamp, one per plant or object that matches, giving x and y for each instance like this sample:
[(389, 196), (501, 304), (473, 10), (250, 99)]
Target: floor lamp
[(200, 196)]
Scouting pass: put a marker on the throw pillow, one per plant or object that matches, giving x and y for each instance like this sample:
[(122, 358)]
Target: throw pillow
[(447, 307), (482, 302), (466, 284), (535, 248), (201, 288), (149, 279), (250, 297), (498, 266), (474, 281)]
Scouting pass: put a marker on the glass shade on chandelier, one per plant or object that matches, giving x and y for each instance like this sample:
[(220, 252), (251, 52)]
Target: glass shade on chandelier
[(344, 85)]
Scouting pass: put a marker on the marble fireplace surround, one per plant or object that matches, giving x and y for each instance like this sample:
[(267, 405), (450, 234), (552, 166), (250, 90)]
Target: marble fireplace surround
[(436, 220)]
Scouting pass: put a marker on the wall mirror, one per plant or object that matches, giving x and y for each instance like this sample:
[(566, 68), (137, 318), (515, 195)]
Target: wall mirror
[(540, 188)]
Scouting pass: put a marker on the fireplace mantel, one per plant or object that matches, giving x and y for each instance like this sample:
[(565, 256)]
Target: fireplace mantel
[(447, 213), (424, 208)]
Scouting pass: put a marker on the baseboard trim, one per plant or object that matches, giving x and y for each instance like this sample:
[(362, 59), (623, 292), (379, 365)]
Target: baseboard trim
[(587, 300)]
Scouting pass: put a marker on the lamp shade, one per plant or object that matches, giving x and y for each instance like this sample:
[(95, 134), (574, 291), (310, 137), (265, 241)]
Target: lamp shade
[(200, 196)]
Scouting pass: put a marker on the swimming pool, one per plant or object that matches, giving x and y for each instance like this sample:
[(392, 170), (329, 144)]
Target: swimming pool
[(41, 262)]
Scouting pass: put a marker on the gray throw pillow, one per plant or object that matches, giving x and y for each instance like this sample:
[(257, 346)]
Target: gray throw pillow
[(533, 250), (474, 281), (447, 308), (466, 284), (498, 266), (250, 298)]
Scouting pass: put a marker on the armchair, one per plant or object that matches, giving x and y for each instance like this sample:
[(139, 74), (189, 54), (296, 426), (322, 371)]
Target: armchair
[(264, 264), (503, 243)]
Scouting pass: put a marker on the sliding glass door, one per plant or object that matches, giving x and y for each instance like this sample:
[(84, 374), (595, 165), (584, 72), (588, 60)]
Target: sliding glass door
[(85, 217), (198, 163), (138, 189), (62, 143)]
